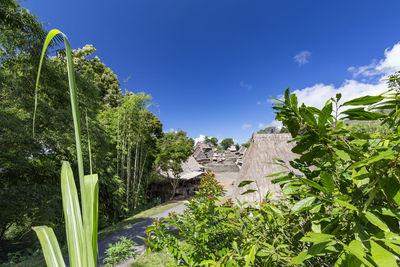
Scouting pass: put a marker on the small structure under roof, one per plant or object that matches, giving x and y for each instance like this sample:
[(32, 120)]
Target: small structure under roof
[(189, 180), (232, 148)]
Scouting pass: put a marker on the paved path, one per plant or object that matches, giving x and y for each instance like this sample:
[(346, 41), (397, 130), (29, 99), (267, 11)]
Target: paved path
[(136, 231)]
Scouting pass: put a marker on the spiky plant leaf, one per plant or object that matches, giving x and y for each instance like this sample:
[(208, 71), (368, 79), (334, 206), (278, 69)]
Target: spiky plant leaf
[(50, 247), (73, 220), (92, 203)]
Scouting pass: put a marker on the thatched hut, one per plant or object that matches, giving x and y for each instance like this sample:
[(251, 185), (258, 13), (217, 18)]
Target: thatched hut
[(187, 183), (201, 152), (263, 148)]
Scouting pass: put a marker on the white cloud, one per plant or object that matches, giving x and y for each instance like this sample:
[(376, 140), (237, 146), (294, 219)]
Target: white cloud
[(273, 123), (262, 125), (383, 67), (259, 102), (246, 126), (302, 57), (246, 85), (318, 94), (199, 139)]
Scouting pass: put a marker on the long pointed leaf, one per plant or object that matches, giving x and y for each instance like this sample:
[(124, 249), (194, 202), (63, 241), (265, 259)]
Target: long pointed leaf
[(92, 203), (74, 105), (73, 221), (51, 249)]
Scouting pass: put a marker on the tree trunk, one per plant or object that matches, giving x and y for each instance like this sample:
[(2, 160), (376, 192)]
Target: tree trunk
[(140, 178), (128, 174), (135, 169), (174, 183), (118, 143), (123, 157)]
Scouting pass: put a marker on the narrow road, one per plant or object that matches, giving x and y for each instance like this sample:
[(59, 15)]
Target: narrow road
[(136, 231)]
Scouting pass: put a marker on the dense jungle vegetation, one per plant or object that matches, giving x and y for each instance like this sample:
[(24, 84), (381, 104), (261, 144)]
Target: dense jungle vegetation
[(119, 127)]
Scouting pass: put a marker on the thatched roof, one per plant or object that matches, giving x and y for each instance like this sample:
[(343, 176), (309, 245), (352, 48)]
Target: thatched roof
[(242, 150), (190, 169), (263, 148), (191, 165), (232, 148)]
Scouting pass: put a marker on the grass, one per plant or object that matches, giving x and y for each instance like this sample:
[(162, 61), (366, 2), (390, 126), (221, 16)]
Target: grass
[(155, 259), (39, 260)]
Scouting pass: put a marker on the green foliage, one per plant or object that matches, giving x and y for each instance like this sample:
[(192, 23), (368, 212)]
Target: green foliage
[(120, 251), (173, 149), (367, 127), (213, 141), (339, 204), (81, 229), (268, 130), (30, 164), (226, 143), (350, 183), (224, 234), (154, 259)]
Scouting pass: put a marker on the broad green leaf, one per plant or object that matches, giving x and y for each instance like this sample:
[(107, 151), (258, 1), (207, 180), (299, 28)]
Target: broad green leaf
[(303, 204), (245, 182), (316, 237), (293, 100), (395, 248), (287, 97), (390, 237), (356, 248), (345, 204), (361, 114), (325, 114), (275, 174), (50, 247), (313, 184), (92, 203), (308, 117), (364, 100), (206, 262), (327, 181), (299, 259), (342, 154), (77, 250), (381, 256), (251, 256), (248, 191), (372, 218)]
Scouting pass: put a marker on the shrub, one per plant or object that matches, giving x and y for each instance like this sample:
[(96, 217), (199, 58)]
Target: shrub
[(339, 205), (120, 251)]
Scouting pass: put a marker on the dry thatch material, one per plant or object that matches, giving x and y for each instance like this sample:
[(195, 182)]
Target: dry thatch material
[(263, 148), (190, 169)]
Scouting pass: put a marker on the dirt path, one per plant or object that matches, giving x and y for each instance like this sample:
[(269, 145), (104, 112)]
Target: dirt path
[(136, 231)]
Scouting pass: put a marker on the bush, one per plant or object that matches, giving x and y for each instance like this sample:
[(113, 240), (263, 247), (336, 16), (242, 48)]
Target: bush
[(339, 205), (120, 251)]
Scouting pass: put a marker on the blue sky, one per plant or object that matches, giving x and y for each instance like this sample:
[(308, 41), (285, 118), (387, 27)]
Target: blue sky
[(211, 65)]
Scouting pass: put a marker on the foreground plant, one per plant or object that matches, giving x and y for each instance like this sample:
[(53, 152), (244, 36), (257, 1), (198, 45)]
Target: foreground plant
[(340, 197), (81, 227), (349, 190)]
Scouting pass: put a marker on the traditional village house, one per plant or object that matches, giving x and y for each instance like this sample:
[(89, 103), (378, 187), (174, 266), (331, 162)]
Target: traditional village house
[(188, 181), (263, 150)]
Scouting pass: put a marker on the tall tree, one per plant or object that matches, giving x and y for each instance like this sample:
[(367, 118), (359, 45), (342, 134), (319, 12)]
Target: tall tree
[(174, 149), (226, 143)]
